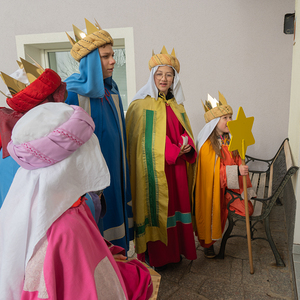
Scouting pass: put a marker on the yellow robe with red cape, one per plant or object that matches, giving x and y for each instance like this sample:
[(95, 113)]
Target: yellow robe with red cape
[(210, 206), (146, 140)]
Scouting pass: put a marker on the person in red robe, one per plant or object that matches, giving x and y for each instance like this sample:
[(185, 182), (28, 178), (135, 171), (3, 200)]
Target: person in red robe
[(161, 155)]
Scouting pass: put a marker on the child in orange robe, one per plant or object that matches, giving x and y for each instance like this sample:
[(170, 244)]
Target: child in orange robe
[(217, 170)]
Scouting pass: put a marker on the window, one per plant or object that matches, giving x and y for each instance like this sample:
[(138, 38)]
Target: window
[(52, 51)]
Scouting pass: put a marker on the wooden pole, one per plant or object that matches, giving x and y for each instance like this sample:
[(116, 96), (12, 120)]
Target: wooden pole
[(247, 211)]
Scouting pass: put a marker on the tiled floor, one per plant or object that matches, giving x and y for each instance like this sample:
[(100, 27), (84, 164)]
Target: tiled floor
[(230, 278)]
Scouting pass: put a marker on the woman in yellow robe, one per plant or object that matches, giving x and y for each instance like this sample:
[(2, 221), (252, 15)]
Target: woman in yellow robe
[(161, 157)]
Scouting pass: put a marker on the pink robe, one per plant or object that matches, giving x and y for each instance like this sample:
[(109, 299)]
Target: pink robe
[(74, 262), (180, 234)]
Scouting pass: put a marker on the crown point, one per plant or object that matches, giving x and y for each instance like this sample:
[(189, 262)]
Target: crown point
[(164, 50), (210, 98), (79, 34), (36, 63), (173, 53), (97, 25), (20, 64), (153, 52), (211, 102), (14, 85), (32, 71), (90, 28), (222, 99), (204, 106), (71, 40)]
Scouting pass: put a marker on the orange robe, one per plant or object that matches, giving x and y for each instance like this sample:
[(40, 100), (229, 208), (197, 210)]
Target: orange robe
[(210, 193)]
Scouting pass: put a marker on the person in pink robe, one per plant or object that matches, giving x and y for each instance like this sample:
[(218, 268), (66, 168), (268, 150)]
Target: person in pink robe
[(73, 261), (50, 245)]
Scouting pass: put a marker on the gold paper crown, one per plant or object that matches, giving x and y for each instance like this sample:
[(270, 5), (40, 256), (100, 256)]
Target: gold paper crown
[(164, 58), (15, 86), (85, 43), (214, 108)]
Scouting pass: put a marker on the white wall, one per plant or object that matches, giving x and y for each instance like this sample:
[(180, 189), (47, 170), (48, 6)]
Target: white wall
[(235, 46), (294, 119)]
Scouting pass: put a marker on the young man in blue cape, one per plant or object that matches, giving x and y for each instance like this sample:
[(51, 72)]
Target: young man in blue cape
[(95, 91)]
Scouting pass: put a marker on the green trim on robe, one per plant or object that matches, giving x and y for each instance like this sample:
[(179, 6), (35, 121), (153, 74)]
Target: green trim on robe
[(150, 165), (184, 218)]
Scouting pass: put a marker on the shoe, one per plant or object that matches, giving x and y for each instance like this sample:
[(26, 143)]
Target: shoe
[(159, 269), (209, 252)]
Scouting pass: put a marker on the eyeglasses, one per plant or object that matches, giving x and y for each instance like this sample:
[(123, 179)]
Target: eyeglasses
[(168, 76)]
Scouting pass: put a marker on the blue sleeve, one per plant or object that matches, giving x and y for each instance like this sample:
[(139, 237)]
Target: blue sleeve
[(72, 99), (8, 169)]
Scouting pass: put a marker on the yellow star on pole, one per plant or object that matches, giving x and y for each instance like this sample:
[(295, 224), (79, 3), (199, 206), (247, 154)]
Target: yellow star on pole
[(241, 135)]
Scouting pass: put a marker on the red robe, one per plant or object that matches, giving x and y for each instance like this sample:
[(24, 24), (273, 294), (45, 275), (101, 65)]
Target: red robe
[(180, 235)]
